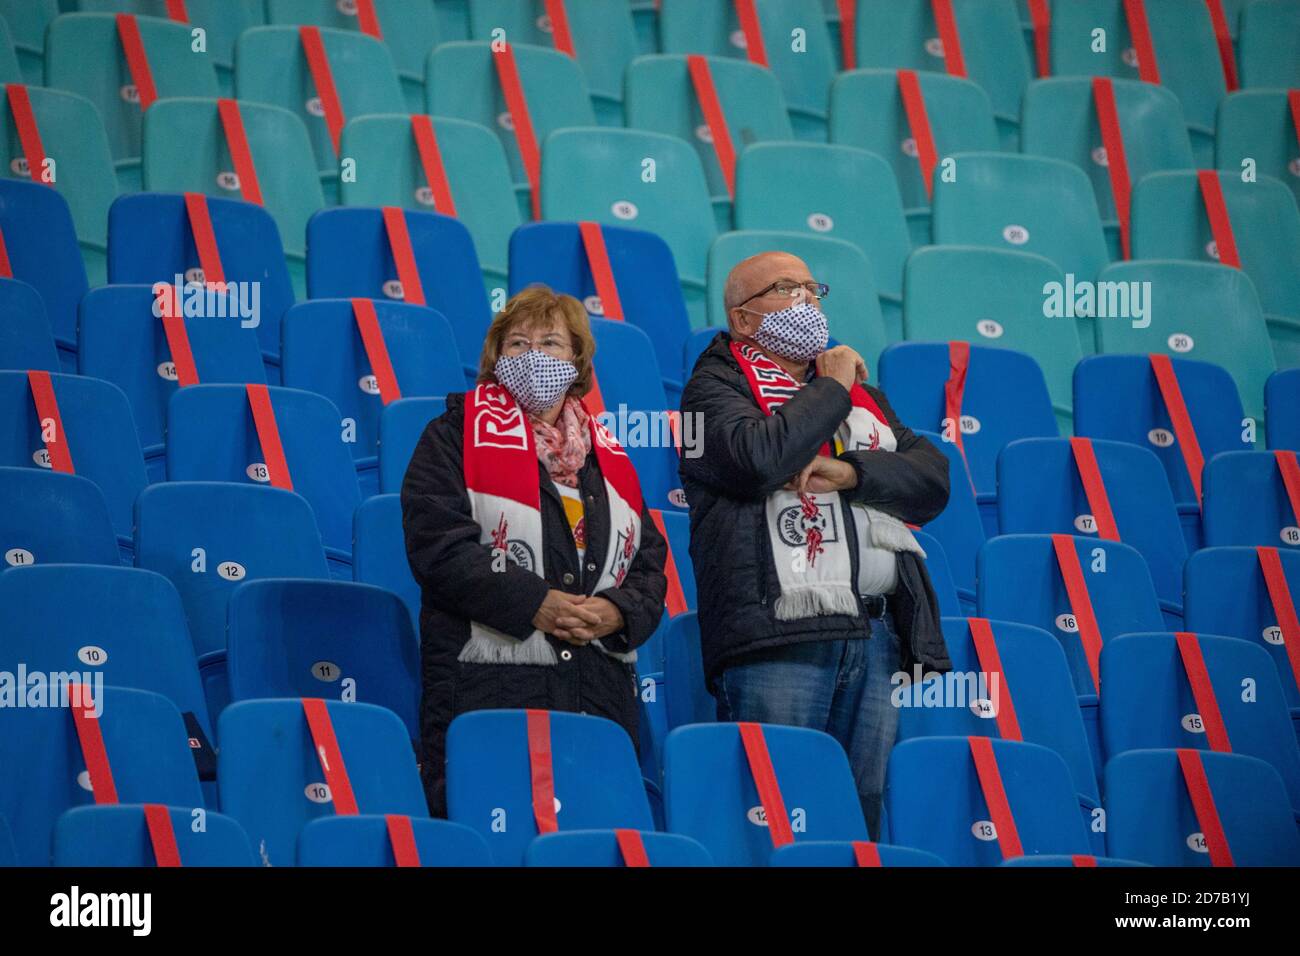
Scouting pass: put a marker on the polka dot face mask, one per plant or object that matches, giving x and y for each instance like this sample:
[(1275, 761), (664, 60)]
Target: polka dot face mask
[(799, 333), (536, 380)]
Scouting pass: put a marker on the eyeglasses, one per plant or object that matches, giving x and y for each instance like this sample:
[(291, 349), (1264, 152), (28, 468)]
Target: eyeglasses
[(552, 343), (787, 288)]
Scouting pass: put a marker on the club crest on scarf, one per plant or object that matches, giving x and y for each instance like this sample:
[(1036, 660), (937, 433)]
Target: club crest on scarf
[(624, 552), (515, 550), (809, 525)]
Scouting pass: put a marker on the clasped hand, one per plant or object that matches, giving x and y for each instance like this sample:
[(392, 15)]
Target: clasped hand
[(577, 618)]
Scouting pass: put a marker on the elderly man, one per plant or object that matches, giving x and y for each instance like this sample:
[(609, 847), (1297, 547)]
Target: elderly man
[(812, 589)]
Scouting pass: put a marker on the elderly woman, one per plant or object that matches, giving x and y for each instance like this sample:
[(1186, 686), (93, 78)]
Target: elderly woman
[(540, 570)]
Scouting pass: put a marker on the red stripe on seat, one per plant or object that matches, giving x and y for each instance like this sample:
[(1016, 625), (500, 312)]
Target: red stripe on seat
[(1207, 704), (1207, 814), (593, 243), (29, 131), (232, 124), (747, 14), (1223, 38), (866, 854), (560, 33), (1135, 13), (953, 60), (995, 795), (674, 597), (268, 436), (50, 421), (954, 390), (205, 240), (711, 106), (401, 837), (137, 61), (176, 11), (91, 738), (541, 771), (1290, 471), (1293, 99), (178, 339), (1279, 595), (849, 33), (399, 243), (368, 20), (1112, 138), (986, 649), (327, 750), (1094, 488), (765, 782), (632, 848), (522, 120), (1184, 431), (1083, 860), (1076, 587), (435, 173), (1040, 15), (6, 267), (372, 339), (313, 48), (162, 836), (1216, 210), (918, 122)]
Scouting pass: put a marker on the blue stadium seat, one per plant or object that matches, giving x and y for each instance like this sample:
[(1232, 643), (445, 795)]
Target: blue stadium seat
[(212, 436), (8, 852), (1256, 125), (26, 338), (955, 821), (688, 698), (1246, 502), (841, 854), (1040, 492), (379, 551), (272, 781), (1270, 51), (150, 239), (600, 848), (1150, 816), (959, 528), (1282, 409), (650, 656), (645, 277), (1150, 701), (597, 784), (98, 430), (348, 255), (145, 740), (401, 424), (53, 518), (112, 836), (27, 21), (295, 638), (122, 341), (363, 840), (41, 240), (710, 795), (1072, 861), (936, 563)]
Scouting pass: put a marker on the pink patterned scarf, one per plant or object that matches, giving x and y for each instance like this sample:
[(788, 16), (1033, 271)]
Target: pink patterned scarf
[(564, 446)]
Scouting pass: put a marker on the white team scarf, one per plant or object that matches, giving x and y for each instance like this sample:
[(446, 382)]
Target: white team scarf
[(504, 486), (807, 532)]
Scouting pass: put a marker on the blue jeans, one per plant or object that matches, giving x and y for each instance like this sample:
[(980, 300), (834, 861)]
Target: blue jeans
[(839, 687)]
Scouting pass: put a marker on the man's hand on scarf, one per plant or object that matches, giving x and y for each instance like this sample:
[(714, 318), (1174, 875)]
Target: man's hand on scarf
[(822, 475)]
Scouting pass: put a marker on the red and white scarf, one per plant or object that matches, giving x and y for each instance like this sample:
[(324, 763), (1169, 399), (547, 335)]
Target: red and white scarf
[(504, 487), (807, 531)]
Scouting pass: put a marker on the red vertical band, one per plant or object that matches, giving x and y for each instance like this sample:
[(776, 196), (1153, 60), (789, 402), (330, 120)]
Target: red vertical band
[(986, 649), (47, 411), (327, 750), (178, 340), (675, 597), (205, 239), (1223, 38), (323, 77), (918, 121), (399, 243), (1184, 431), (232, 124), (435, 173), (954, 388), (1083, 860), (1112, 138), (6, 267), (29, 131), (522, 120), (560, 33), (953, 61), (162, 836), (372, 339), (632, 848), (765, 782), (268, 436), (176, 11), (1207, 814), (541, 770), (1040, 15), (1293, 99), (849, 33), (1207, 704), (866, 854), (1290, 471), (1216, 210), (401, 837), (1076, 588), (747, 13), (593, 243), (137, 61), (995, 795), (711, 106), (1094, 488), (368, 20), (1279, 595), (1135, 12), (91, 738)]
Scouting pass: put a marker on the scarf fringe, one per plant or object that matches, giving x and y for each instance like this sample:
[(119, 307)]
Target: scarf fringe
[(811, 600), (491, 647), (890, 534)]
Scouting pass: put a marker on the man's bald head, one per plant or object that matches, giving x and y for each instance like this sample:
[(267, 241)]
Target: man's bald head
[(750, 277)]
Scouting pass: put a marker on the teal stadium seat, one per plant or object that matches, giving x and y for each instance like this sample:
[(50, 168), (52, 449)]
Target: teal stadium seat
[(868, 111), (10, 69), (1270, 43), (645, 17), (85, 54), (804, 62), (453, 19), (1259, 125), (27, 20)]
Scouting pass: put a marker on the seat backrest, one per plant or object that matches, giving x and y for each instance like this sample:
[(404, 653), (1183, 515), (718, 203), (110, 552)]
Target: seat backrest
[(710, 795), (1150, 817), (27, 21), (1257, 125), (1005, 398), (54, 518), (221, 20), (123, 342), (940, 571), (41, 240), (8, 852), (1246, 502), (688, 698), (273, 782), (958, 527), (111, 836), (364, 840), (26, 338), (601, 848), (409, 28), (379, 551), (840, 854), (1270, 49), (144, 738), (324, 353), (401, 425), (955, 821), (1282, 409), (597, 783), (209, 537), (336, 639)]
